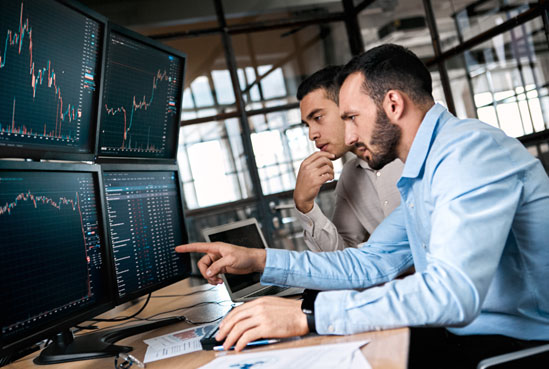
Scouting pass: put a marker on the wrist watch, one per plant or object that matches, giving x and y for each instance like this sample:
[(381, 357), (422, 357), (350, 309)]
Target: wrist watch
[(308, 308)]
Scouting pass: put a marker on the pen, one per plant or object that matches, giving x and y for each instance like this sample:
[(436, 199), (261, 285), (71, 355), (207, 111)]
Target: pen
[(253, 343), (131, 359)]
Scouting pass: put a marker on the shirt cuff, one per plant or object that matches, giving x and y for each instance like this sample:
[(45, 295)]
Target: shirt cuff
[(328, 313), (311, 220), (276, 267), (334, 312)]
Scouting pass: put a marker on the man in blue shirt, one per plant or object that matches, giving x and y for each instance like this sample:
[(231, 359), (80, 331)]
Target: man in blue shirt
[(472, 220)]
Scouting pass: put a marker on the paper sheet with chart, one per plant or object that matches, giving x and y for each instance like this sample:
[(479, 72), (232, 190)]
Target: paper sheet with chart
[(341, 355), (174, 344)]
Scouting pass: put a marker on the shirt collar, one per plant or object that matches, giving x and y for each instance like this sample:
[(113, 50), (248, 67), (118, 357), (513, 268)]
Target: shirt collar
[(422, 142), (362, 164)]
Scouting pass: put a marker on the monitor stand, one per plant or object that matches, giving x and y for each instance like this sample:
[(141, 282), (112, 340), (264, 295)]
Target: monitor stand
[(65, 347)]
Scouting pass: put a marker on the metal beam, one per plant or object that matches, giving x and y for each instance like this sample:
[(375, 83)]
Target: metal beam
[(262, 207), (353, 28), (444, 79), (268, 25), (509, 24)]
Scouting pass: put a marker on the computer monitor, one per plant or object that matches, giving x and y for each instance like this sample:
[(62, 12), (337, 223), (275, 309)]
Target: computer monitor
[(145, 224), (54, 257), (142, 97), (51, 57)]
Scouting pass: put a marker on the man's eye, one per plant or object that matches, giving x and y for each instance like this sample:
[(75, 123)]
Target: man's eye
[(317, 118)]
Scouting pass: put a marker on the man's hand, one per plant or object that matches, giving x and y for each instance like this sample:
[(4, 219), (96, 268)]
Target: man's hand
[(266, 317), (313, 172), (225, 258)]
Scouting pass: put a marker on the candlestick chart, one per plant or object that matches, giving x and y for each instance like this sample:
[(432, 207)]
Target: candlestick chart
[(49, 56), (140, 100), (48, 222)]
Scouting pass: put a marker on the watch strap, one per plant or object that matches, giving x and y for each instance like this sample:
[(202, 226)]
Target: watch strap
[(308, 308)]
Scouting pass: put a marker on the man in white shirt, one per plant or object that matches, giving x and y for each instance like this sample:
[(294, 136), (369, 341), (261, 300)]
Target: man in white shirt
[(364, 197)]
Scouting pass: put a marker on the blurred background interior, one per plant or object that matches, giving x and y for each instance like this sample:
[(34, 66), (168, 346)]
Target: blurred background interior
[(242, 139)]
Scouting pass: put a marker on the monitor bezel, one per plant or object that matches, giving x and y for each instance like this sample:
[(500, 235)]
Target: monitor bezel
[(53, 327), (174, 136), (46, 153), (186, 257)]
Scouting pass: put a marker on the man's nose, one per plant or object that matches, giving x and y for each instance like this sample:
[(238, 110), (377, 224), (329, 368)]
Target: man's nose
[(350, 136), (313, 133)]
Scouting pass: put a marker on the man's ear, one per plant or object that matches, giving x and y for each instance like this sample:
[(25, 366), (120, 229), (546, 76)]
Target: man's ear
[(394, 104)]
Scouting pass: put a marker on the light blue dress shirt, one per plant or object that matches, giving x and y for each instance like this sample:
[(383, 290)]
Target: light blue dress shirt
[(474, 220)]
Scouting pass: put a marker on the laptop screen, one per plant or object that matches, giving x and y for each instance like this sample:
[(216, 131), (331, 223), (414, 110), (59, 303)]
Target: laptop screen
[(248, 236)]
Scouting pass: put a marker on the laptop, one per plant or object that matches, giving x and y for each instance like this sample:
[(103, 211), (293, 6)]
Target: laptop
[(245, 287)]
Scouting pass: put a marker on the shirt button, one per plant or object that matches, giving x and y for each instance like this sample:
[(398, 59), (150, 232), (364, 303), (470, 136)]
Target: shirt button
[(424, 246), (378, 174), (385, 202), (331, 329), (411, 205)]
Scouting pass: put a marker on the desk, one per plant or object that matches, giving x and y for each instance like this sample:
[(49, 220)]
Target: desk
[(387, 349)]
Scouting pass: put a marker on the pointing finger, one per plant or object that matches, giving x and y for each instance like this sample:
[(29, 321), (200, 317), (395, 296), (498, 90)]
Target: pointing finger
[(203, 247)]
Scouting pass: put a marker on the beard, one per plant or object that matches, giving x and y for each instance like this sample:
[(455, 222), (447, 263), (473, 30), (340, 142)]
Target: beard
[(383, 144)]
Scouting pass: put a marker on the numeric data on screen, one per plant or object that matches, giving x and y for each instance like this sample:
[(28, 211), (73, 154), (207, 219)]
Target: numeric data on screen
[(146, 223)]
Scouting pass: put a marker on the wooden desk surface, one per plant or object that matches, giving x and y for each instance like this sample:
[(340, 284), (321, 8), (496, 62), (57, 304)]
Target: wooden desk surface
[(387, 349)]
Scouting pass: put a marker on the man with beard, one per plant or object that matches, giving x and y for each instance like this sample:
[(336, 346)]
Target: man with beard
[(472, 220), (364, 197)]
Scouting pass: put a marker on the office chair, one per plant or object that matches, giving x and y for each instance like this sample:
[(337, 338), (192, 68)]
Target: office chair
[(500, 359)]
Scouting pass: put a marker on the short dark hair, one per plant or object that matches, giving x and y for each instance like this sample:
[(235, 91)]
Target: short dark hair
[(391, 67), (325, 78)]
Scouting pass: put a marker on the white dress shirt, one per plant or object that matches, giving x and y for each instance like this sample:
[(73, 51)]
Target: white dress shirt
[(364, 197)]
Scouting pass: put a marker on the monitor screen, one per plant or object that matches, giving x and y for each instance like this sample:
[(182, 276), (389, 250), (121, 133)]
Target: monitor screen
[(50, 64), (53, 254), (142, 97), (145, 216)]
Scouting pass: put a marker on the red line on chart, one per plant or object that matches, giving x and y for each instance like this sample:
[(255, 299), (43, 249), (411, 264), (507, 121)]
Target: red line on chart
[(85, 242), (38, 75), (38, 200), (141, 105)]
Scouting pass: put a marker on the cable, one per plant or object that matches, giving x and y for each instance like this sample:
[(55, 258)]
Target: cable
[(186, 294), (90, 327), (204, 322), (184, 308), (151, 318), (120, 319)]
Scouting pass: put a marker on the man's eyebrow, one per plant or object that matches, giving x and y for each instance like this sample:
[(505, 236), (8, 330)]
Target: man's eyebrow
[(346, 115), (313, 112)]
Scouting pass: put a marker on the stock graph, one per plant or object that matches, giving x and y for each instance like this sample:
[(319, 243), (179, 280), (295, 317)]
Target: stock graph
[(49, 56), (141, 95), (50, 252)]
